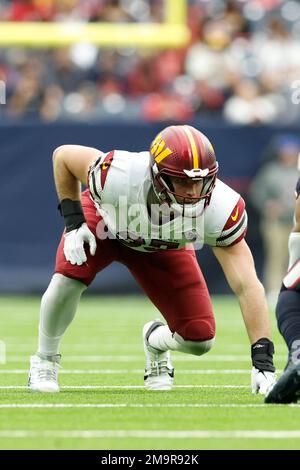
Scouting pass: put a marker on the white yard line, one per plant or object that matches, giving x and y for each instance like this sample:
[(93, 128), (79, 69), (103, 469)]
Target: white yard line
[(140, 405), (146, 434), (122, 387), (137, 358), (78, 348), (14, 345), (135, 371)]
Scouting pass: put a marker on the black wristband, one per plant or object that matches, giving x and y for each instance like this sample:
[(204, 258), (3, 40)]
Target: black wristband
[(262, 354), (72, 213)]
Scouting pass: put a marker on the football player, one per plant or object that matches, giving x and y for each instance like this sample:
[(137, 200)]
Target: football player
[(179, 175), (287, 389)]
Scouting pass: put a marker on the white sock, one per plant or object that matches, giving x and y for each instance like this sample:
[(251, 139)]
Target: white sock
[(58, 307), (162, 339)]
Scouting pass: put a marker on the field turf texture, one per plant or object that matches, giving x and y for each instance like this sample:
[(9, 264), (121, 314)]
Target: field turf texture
[(102, 403)]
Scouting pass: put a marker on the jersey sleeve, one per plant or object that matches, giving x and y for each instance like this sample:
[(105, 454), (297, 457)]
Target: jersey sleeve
[(236, 226), (225, 219), (97, 175)]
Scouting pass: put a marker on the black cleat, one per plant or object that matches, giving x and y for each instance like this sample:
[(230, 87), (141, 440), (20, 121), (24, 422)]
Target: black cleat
[(287, 388)]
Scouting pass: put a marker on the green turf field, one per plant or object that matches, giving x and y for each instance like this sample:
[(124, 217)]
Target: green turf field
[(103, 405)]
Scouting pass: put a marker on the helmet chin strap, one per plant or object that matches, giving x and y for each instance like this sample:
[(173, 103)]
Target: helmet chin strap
[(187, 210)]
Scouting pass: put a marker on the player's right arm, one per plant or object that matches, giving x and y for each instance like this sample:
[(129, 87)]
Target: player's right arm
[(71, 164)]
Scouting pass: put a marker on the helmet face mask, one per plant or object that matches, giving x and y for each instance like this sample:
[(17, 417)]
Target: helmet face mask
[(185, 153)]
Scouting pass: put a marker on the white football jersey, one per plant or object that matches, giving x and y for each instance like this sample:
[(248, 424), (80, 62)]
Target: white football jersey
[(119, 183)]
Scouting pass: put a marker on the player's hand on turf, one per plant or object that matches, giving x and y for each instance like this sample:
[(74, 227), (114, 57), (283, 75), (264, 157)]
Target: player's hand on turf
[(261, 380), (74, 244), (263, 371)]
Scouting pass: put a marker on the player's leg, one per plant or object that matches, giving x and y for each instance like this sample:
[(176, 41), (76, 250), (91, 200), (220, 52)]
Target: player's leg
[(175, 284), (288, 321), (58, 307), (60, 301), (287, 388)]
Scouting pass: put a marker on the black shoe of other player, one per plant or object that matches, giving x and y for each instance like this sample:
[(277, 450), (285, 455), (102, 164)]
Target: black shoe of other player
[(287, 388)]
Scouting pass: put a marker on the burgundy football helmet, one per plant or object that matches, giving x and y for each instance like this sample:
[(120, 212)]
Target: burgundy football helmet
[(184, 152)]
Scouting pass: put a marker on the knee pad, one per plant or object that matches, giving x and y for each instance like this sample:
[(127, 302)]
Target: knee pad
[(194, 347), (201, 329)]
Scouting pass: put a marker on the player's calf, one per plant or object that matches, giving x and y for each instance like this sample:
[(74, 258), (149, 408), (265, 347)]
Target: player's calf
[(192, 337)]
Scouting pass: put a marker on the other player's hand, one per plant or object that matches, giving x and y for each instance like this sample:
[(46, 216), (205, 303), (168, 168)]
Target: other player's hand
[(261, 380), (74, 244)]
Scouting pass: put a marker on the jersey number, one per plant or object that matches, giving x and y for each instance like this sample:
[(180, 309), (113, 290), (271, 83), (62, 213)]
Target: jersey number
[(154, 245)]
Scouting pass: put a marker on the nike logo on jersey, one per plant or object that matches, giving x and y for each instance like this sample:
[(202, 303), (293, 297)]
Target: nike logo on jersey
[(235, 216)]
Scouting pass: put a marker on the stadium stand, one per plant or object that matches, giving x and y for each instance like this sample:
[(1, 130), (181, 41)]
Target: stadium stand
[(233, 66)]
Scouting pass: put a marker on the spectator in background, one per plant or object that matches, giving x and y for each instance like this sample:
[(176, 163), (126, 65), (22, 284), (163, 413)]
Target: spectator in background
[(271, 193), (235, 67), (206, 59), (249, 106)]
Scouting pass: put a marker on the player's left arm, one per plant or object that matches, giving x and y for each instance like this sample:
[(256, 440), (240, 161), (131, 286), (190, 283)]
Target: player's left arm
[(238, 266)]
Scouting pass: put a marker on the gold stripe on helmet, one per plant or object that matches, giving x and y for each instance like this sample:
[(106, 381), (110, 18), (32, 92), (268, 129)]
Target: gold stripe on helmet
[(193, 146)]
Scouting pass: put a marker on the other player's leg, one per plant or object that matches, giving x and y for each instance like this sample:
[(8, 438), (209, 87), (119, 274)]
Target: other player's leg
[(287, 388)]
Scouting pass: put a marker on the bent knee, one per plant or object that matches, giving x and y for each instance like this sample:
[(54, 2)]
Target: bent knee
[(196, 336), (197, 330), (196, 348)]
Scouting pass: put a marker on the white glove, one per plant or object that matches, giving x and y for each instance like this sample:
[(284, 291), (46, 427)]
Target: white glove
[(261, 380), (74, 241)]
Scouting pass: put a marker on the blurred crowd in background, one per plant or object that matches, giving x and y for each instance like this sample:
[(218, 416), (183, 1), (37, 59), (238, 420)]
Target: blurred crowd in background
[(241, 64)]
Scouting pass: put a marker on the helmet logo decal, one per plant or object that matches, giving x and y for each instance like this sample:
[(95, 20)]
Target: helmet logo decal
[(197, 173), (193, 146), (159, 149)]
